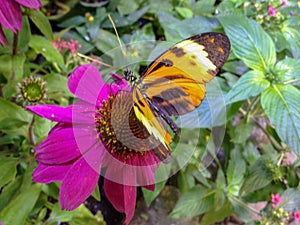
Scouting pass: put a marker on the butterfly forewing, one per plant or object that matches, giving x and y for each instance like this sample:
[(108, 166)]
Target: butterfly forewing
[(175, 81)]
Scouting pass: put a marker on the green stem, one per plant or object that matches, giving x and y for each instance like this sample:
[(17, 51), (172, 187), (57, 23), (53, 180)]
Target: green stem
[(271, 138), (250, 108), (31, 133), (15, 44)]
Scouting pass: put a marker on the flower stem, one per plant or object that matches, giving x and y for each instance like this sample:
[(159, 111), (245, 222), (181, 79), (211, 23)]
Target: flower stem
[(15, 44), (31, 134)]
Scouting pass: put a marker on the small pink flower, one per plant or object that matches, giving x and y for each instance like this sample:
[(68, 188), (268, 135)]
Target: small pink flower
[(284, 3), (272, 11), (61, 45), (297, 215), (276, 199), (74, 46)]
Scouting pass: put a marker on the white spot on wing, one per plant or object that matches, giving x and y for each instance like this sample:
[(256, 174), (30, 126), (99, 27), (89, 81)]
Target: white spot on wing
[(192, 48)]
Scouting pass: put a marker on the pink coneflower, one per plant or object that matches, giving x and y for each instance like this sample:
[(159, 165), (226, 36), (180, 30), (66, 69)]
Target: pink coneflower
[(272, 11), (11, 15), (93, 136)]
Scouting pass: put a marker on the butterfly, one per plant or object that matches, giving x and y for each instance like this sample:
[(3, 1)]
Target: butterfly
[(174, 84)]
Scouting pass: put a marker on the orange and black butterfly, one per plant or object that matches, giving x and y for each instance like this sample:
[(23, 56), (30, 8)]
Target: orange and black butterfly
[(174, 84)]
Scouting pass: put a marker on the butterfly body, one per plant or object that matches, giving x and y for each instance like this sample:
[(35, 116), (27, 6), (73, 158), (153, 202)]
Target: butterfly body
[(174, 84)]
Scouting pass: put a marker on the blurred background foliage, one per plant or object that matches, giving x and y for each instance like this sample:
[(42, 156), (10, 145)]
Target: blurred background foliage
[(260, 144)]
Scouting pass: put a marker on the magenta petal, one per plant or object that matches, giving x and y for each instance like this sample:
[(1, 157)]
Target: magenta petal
[(122, 197), (86, 83), (11, 15), (59, 147), (34, 4), (80, 181), (3, 39), (47, 174), (150, 187), (52, 112), (120, 81), (66, 144)]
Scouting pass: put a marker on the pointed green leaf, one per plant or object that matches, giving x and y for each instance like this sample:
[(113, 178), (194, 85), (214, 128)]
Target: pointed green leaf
[(281, 104), (11, 110), (214, 215), (249, 85), (249, 42), (259, 175), (149, 196), (241, 209), (195, 202), (42, 23), (45, 47), (18, 209), (288, 69), (235, 172), (292, 37), (291, 198), (8, 170)]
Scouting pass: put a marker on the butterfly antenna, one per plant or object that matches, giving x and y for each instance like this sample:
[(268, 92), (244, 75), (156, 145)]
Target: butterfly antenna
[(94, 60), (119, 40)]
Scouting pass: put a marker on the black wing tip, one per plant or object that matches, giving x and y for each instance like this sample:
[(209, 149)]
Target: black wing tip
[(216, 44)]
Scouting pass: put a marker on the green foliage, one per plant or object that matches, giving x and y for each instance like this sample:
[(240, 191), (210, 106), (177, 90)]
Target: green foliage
[(247, 126)]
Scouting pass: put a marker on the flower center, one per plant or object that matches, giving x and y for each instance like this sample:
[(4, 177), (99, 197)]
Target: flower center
[(119, 129)]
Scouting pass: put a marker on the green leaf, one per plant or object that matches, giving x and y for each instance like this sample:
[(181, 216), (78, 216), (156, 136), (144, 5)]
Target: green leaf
[(241, 209), (11, 123), (96, 193), (241, 132), (149, 196), (18, 61), (291, 198), (184, 12), (204, 7), (45, 47), (236, 67), (259, 176), (281, 104), (18, 209), (175, 30), (279, 39), (8, 170), (57, 214), (82, 215), (10, 110), (9, 192), (160, 180), (195, 202), (214, 215), (42, 23), (249, 42), (127, 7), (288, 69), (12, 67), (121, 21), (235, 172), (249, 85), (292, 36)]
